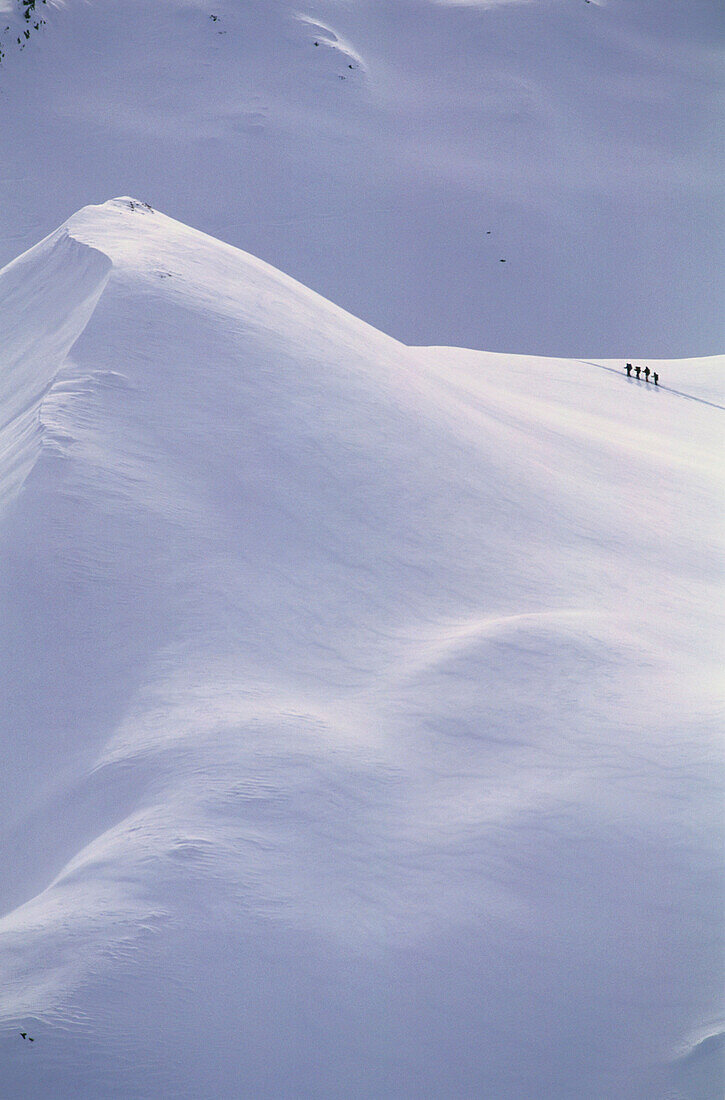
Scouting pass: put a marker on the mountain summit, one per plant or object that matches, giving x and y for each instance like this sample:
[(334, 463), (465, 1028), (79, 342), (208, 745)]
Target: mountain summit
[(357, 719)]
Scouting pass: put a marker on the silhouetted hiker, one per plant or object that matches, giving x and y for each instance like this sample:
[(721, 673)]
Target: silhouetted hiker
[(629, 370), (655, 377), (646, 374), (637, 371)]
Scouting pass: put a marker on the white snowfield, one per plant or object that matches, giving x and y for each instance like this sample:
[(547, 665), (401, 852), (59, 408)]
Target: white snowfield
[(360, 706)]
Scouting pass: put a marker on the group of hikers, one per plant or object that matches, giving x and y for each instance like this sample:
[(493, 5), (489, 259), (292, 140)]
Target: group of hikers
[(646, 372)]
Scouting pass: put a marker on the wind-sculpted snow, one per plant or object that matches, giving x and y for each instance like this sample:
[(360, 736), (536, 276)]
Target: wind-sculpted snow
[(359, 722), (47, 296)]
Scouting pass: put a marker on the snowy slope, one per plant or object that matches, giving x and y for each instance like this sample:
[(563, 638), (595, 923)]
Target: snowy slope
[(359, 725), (581, 142)]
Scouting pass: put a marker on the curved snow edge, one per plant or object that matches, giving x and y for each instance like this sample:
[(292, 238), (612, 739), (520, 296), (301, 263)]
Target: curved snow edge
[(47, 298)]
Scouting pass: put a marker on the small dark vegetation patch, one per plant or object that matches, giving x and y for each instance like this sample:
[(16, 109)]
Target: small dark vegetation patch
[(32, 20)]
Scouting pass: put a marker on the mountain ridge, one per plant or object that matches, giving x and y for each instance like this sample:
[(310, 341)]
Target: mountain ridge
[(346, 680)]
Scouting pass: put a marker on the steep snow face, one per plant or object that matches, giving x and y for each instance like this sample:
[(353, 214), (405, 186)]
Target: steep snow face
[(358, 728), (48, 296), (390, 153)]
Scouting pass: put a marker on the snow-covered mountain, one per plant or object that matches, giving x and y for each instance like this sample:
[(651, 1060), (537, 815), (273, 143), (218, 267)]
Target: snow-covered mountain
[(390, 153), (359, 712)]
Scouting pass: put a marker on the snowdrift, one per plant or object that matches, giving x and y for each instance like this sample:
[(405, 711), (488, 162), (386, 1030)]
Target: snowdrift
[(359, 710)]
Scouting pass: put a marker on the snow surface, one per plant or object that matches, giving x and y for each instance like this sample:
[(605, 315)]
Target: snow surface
[(360, 714), (581, 142)]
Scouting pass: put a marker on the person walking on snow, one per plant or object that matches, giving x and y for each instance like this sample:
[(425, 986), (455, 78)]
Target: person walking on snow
[(629, 370), (655, 377), (637, 370), (646, 374)]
